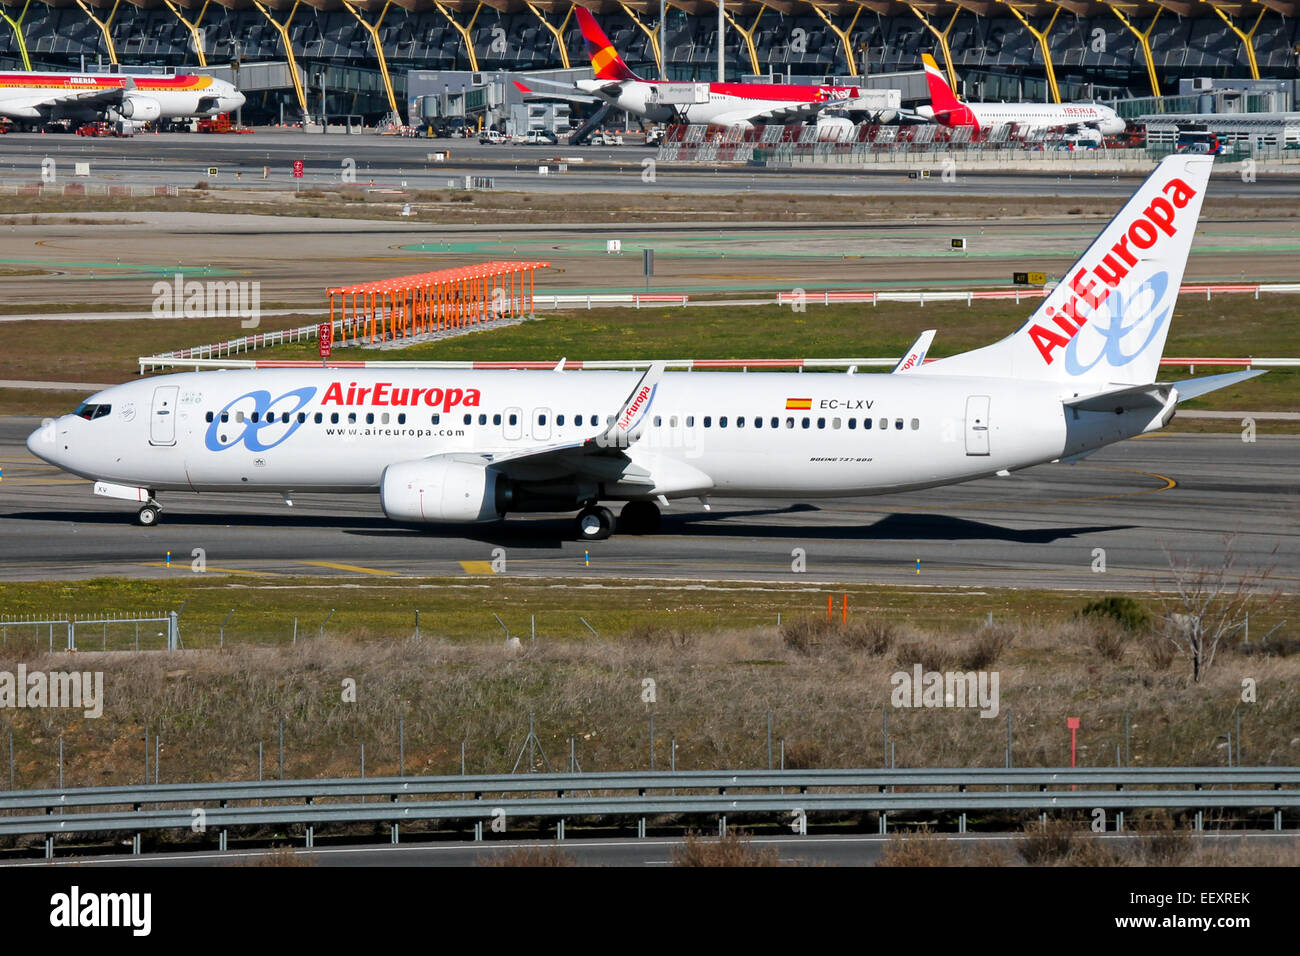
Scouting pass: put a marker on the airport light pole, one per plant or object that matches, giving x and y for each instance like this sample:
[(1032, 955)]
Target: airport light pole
[(722, 44)]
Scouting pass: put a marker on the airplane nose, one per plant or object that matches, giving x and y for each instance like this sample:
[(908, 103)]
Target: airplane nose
[(43, 442)]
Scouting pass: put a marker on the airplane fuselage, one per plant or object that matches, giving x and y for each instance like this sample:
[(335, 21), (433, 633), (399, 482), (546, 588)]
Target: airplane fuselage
[(762, 434)]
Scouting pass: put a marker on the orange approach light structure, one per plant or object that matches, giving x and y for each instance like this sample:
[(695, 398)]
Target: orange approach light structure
[(433, 301)]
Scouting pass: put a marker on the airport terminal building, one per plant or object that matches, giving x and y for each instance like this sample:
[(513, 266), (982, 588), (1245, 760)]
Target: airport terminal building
[(346, 57)]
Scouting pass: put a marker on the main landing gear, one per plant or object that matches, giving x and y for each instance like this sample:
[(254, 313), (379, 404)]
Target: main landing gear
[(596, 522), (147, 516)]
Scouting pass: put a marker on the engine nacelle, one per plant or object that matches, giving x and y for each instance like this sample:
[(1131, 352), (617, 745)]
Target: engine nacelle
[(439, 490), (141, 109), (834, 129)]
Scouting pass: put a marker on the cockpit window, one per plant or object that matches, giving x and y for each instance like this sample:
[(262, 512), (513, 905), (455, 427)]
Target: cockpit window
[(87, 410)]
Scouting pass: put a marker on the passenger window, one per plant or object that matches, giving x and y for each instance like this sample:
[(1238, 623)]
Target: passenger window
[(302, 417), (708, 420), (740, 422), (835, 423), (898, 424), (690, 421), (352, 418), (776, 422), (658, 421), (853, 423), (821, 423), (334, 418), (722, 422), (609, 419), (401, 418), (541, 419), (884, 423), (916, 423), (559, 421), (789, 423), (225, 416), (866, 424), (672, 422), (370, 418), (496, 419), (482, 419), (514, 419), (239, 416), (253, 417), (319, 418), (208, 418), (807, 422), (469, 419), (758, 421), (577, 420), (383, 418), (436, 418)]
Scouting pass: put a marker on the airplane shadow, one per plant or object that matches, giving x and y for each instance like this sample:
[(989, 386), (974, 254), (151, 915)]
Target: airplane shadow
[(550, 533)]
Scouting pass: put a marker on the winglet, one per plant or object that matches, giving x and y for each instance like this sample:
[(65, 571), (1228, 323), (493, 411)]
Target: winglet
[(914, 357), (631, 418)]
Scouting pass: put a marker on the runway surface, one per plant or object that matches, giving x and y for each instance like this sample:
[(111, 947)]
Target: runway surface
[(1039, 528), (812, 850)]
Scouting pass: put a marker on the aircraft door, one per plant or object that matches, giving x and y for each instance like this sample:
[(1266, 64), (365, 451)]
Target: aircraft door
[(162, 421), (512, 427), (541, 424), (977, 425)]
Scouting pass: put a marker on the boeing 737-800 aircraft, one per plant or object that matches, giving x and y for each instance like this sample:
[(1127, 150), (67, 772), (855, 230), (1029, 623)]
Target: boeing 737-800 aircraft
[(462, 446)]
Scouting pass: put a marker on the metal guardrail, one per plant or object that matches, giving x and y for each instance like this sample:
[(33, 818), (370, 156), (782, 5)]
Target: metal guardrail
[(571, 795)]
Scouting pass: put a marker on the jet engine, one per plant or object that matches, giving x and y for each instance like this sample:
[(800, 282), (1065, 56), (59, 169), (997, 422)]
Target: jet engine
[(834, 129), (141, 109), (439, 489)]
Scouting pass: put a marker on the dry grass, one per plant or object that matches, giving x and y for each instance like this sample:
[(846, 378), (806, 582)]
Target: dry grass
[(535, 855), (734, 849), (714, 691), (278, 856)]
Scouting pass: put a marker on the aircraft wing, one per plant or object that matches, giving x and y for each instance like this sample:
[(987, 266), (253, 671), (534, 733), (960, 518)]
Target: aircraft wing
[(602, 457), (563, 91), (794, 113)]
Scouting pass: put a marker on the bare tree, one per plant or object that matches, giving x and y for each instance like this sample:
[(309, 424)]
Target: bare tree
[(1210, 603)]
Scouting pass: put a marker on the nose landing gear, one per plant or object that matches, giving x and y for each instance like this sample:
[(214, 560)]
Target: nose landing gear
[(147, 516)]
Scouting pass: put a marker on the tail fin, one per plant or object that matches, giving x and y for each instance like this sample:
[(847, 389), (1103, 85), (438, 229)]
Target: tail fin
[(1106, 322), (605, 60), (942, 97)]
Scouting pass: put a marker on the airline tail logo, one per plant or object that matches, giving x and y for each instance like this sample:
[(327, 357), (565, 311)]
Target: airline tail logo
[(1094, 285), (942, 98), (605, 61)]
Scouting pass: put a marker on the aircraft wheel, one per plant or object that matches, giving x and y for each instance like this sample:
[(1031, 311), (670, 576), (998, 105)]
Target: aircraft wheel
[(639, 517), (595, 523), (147, 516)]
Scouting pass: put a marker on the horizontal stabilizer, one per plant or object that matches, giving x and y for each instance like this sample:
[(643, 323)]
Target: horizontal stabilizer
[(1192, 387)]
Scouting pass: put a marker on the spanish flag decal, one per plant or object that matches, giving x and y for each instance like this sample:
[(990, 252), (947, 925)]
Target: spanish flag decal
[(798, 403)]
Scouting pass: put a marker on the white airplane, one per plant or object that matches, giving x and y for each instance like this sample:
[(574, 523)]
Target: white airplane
[(722, 104), (445, 446), (45, 97), (947, 110)]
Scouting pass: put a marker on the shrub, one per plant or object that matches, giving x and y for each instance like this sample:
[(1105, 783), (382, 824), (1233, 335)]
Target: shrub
[(874, 636), (734, 849), (1047, 843), (1125, 611), (985, 649), (804, 634), (921, 848)]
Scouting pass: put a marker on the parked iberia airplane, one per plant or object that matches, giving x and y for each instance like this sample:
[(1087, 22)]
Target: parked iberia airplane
[(45, 97), (462, 446)]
